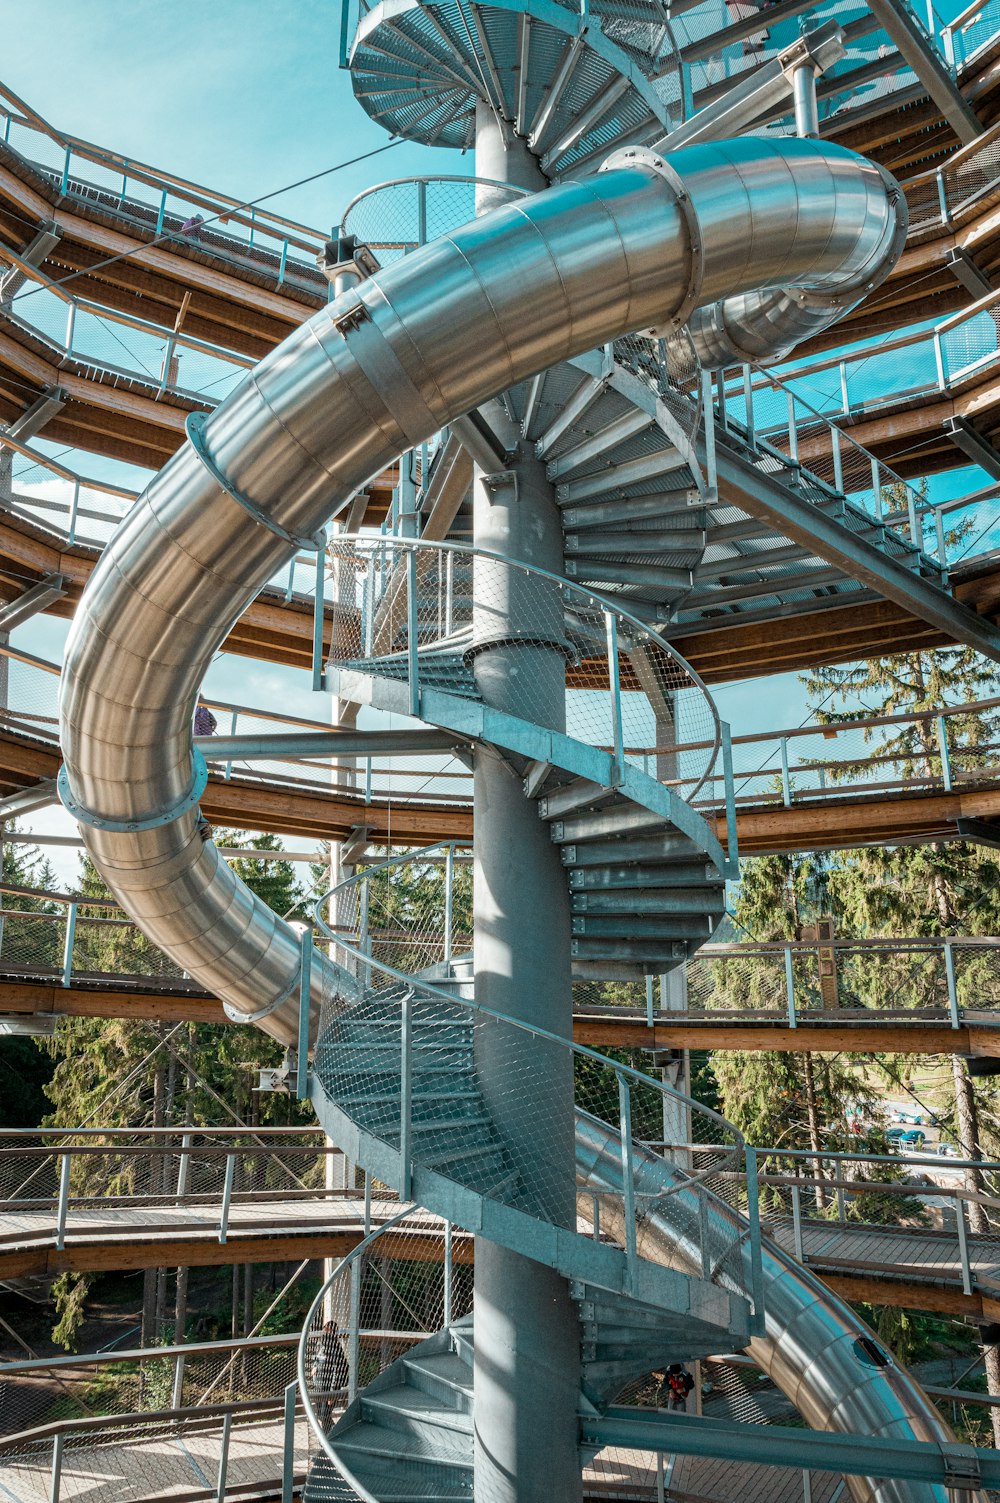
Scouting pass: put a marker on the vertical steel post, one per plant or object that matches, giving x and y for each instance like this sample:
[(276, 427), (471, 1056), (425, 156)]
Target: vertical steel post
[(942, 736), (793, 431), (422, 211), (220, 1490), (318, 674), (368, 1203), (63, 1203), (227, 1196), (628, 1181), (74, 508), (449, 1270), (939, 361), (845, 399), (63, 186), (55, 1474), (70, 326), (942, 546), (412, 627), (786, 779), (615, 686), (949, 972), (878, 510), (288, 1447), (234, 721), (354, 1332), (756, 1256), (751, 426), (305, 979), (160, 213), (963, 1244), (838, 463), (449, 901), (729, 784), (797, 1223), (184, 1166), (282, 263), (406, 1099), (793, 1021), (177, 1389), (67, 967), (649, 1001), (660, 1489), (708, 418)]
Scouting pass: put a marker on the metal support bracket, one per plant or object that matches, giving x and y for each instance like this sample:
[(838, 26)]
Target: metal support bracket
[(194, 427), (84, 816)]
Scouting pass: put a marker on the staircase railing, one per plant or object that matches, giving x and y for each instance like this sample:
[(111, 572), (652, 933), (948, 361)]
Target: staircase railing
[(407, 1280), (405, 608), (413, 1016)]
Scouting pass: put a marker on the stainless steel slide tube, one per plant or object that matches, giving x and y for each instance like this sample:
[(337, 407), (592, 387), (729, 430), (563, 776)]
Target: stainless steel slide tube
[(373, 373), (811, 1347), (376, 372)]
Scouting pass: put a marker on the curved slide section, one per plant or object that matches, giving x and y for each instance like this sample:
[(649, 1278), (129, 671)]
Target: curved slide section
[(738, 226), (814, 1348)]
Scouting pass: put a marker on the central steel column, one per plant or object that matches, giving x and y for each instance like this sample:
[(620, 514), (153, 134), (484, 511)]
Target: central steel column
[(527, 1344)]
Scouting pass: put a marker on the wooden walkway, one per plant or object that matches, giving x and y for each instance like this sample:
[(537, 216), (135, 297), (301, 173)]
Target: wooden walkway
[(129, 1237), (157, 1465)]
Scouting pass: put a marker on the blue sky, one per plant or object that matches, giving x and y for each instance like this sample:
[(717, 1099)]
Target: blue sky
[(243, 96)]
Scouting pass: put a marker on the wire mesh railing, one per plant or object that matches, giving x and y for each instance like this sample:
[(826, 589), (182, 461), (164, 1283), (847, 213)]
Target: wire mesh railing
[(425, 615), (54, 1182), (926, 750), (161, 204)]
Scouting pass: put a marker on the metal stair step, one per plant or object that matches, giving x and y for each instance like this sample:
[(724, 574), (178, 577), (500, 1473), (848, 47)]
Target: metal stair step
[(444, 1375), (631, 878), (408, 1411), (602, 513), (643, 925), (655, 955), (579, 793), (366, 1448), (637, 900), (666, 847), (614, 477), (624, 819), (623, 542)]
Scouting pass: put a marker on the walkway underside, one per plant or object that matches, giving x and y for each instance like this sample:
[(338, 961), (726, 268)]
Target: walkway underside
[(828, 1032), (925, 1268), (834, 820)]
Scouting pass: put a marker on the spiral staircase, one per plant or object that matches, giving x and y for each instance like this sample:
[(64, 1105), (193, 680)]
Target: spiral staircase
[(396, 1081)]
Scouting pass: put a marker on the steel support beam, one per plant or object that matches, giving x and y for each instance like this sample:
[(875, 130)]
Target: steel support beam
[(964, 436), (767, 86), (916, 49), (944, 1464), (33, 420), (980, 832), (448, 485), (480, 442), (333, 743), (32, 601), (39, 796), (967, 274), (741, 484)]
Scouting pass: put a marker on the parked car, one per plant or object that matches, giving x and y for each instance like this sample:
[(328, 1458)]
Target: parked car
[(906, 1137), (948, 1151)]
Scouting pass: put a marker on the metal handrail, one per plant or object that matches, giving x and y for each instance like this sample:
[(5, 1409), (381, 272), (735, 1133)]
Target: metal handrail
[(644, 632), (318, 1428), (621, 1071)]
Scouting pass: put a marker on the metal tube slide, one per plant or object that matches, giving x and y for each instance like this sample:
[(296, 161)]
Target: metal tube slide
[(639, 246), (375, 372), (815, 1349)]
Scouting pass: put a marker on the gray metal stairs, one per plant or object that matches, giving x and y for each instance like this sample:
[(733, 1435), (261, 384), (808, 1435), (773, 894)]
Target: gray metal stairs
[(646, 880)]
